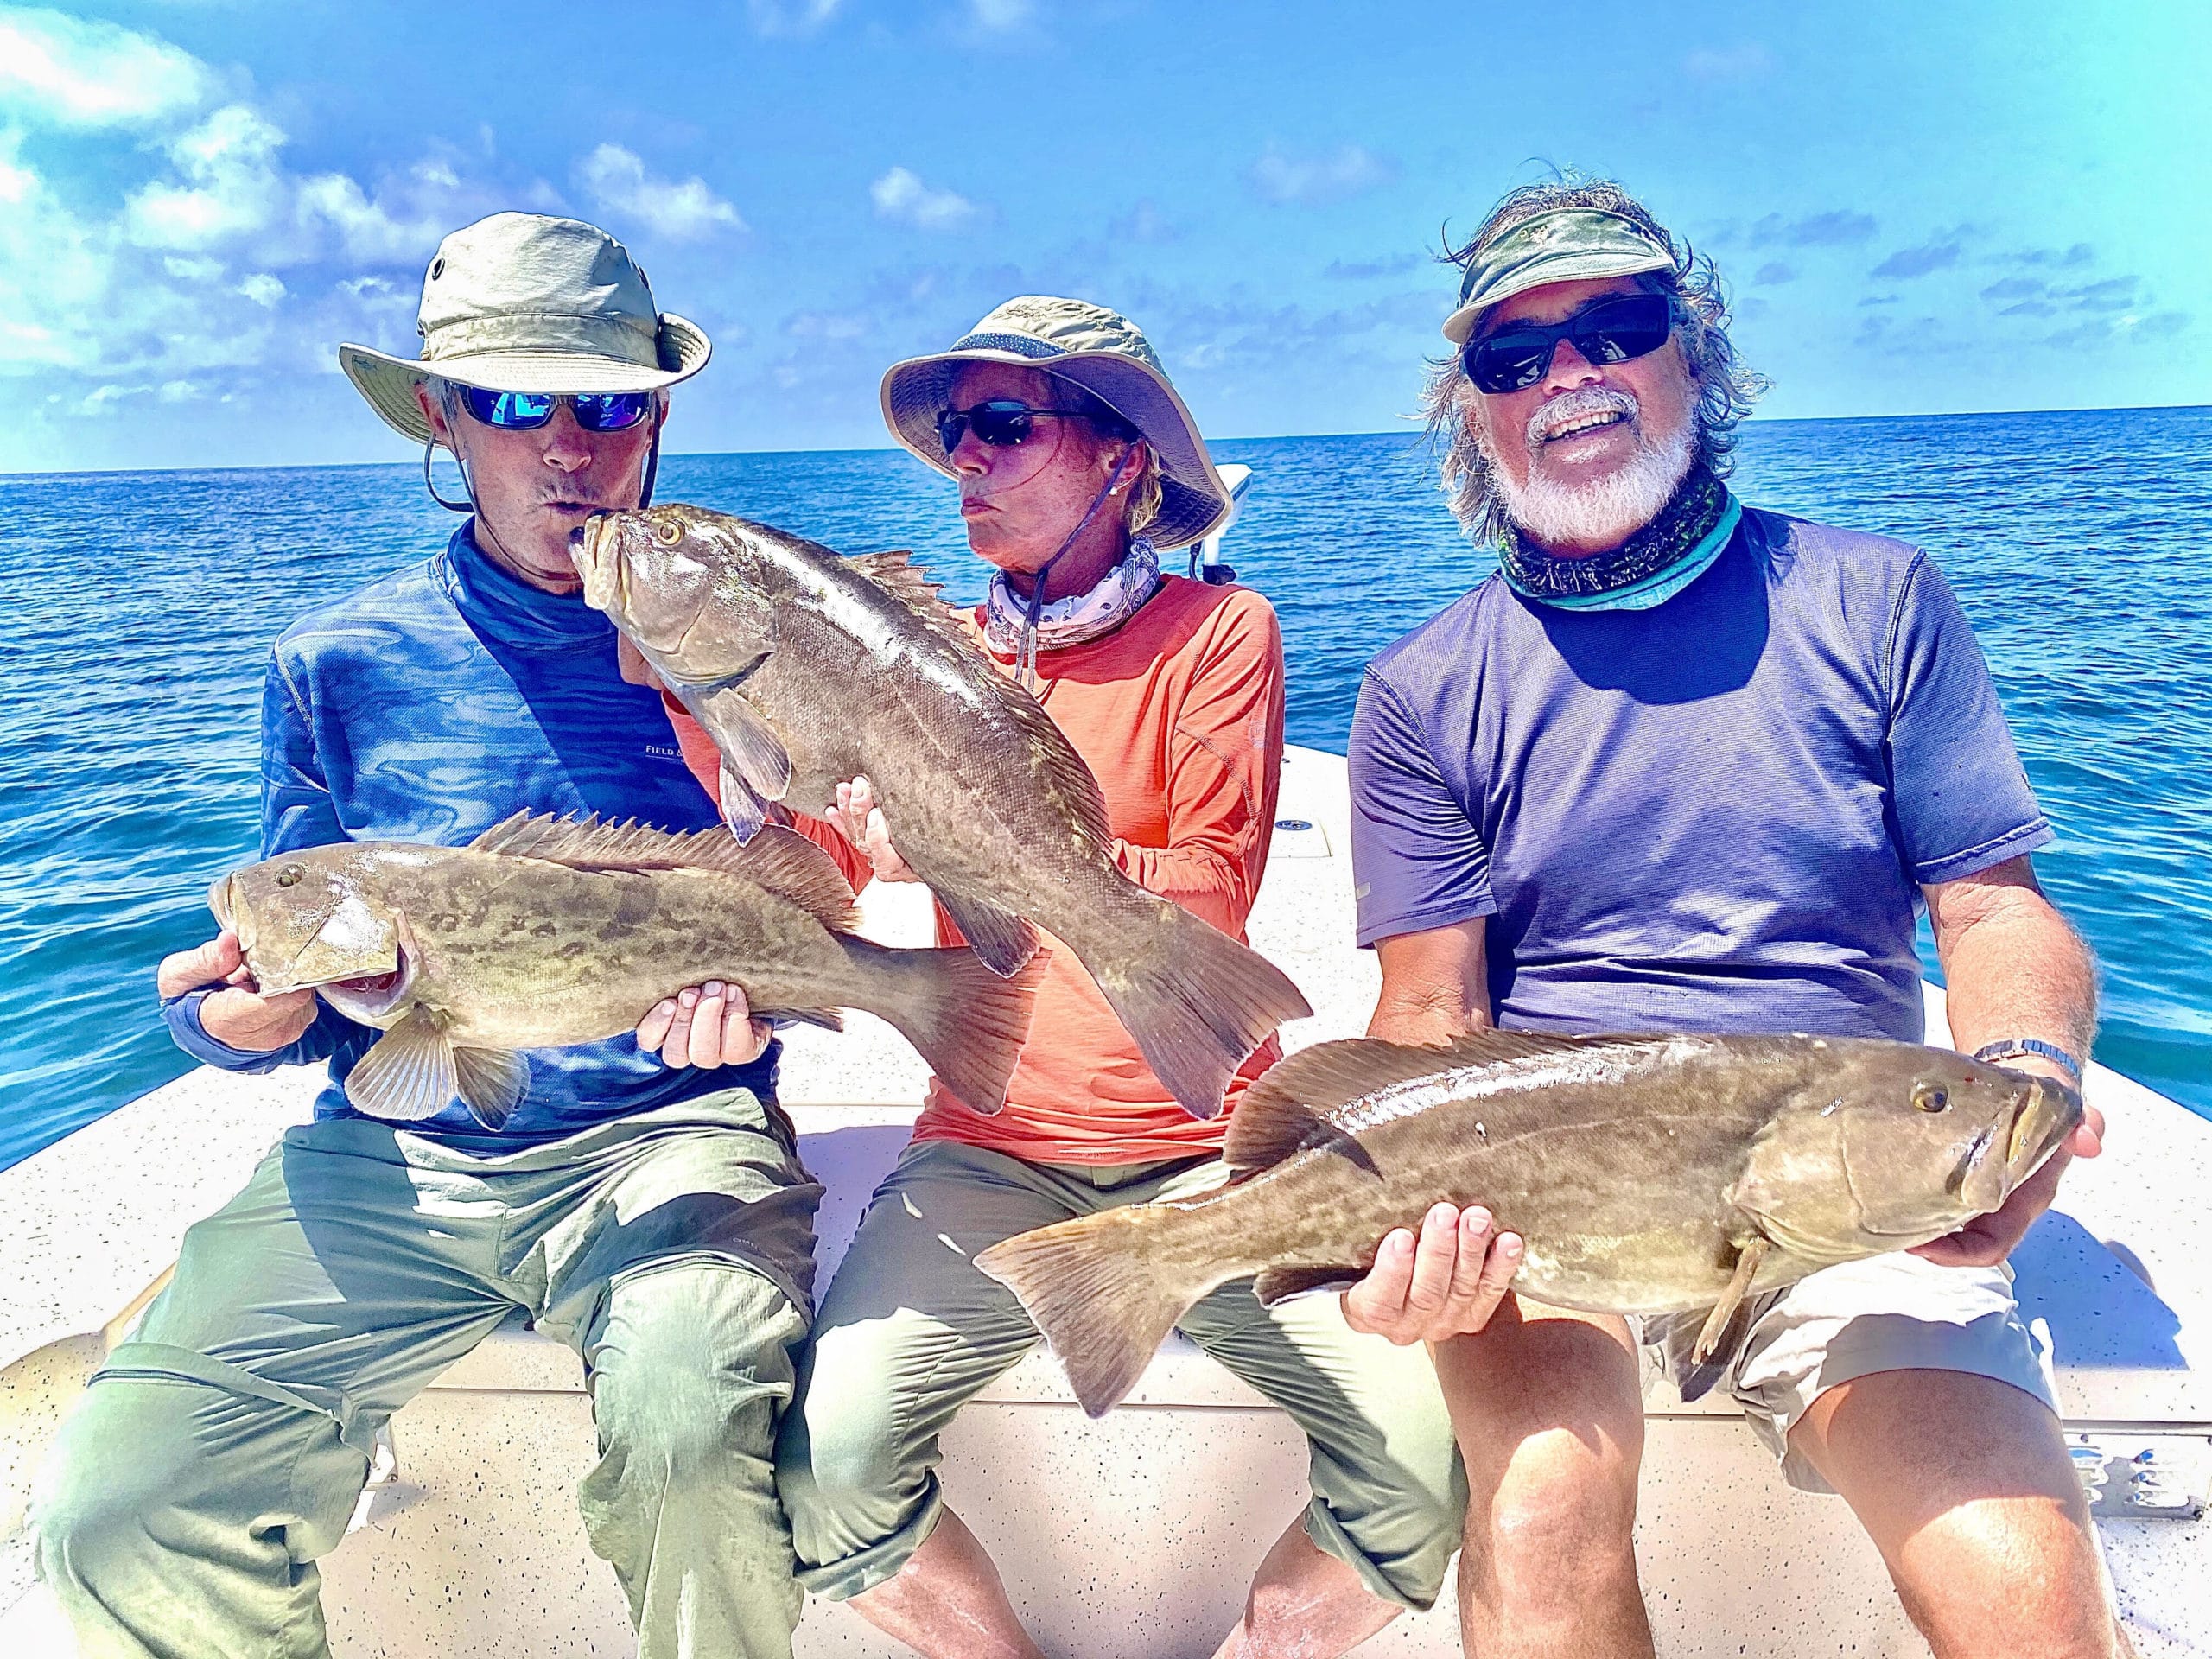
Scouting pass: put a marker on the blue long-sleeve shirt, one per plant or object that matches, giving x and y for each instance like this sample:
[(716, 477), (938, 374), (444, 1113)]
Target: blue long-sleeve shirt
[(426, 708)]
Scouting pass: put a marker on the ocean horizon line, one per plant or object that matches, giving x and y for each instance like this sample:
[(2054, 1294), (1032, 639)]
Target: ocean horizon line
[(1409, 430)]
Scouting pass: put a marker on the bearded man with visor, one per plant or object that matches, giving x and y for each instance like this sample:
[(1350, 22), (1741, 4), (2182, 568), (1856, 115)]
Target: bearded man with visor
[(1686, 766), (642, 1200)]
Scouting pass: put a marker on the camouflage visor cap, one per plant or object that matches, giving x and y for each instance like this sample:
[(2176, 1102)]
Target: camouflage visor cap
[(1564, 244)]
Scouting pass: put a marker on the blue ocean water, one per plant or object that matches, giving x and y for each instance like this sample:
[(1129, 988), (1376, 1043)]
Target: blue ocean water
[(142, 605)]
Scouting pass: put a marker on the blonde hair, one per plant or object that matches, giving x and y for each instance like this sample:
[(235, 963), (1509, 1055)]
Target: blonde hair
[(1143, 487)]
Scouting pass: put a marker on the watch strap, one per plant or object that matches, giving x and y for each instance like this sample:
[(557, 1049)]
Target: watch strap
[(2013, 1048)]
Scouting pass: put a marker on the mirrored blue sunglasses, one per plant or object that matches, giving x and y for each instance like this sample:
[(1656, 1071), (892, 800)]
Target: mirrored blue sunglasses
[(520, 411)]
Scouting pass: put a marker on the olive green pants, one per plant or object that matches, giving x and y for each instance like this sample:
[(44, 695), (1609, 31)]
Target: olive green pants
[(221, 1450), (909, 1332)]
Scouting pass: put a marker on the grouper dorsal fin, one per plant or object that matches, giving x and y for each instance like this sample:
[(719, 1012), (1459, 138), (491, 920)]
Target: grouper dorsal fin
[(1294, 1105), (781, 861), (897, 573)]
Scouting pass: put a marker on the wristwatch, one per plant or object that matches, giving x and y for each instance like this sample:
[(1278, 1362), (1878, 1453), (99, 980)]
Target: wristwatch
[(2011, 1048)]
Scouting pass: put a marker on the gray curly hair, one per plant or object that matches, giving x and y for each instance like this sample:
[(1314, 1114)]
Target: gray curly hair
[(1727, 386)]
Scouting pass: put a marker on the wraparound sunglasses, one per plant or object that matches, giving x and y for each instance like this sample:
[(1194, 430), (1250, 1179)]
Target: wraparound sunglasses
[(521, 411), (1609, 331), (1001, 423)]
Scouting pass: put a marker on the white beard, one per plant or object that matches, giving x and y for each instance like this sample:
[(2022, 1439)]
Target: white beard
[(1607, 511)]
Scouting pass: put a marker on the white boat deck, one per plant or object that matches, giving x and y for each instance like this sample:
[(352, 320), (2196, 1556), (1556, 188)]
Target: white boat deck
[(1135, 1535)]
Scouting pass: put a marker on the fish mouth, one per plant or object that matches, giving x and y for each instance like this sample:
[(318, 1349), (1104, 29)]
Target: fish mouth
[(599, 562), (2051, 1113), (218, 900), (366, 996)]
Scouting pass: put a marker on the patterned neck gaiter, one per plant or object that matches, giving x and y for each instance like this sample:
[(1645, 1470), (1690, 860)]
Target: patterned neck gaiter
[(1649, 568), (1080, 618)]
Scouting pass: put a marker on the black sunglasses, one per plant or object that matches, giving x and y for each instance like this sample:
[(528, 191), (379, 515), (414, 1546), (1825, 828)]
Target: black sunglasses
[(1001, 423), (523, 411), (1609, 331)]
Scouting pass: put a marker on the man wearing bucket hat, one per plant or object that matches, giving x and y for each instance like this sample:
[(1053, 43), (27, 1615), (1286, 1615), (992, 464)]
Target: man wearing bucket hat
[(1076, 464), (1682, 765), (649, 1212)]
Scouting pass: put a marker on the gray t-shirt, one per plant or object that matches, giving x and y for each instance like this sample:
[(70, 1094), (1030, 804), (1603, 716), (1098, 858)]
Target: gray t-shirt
[(1711, 816)]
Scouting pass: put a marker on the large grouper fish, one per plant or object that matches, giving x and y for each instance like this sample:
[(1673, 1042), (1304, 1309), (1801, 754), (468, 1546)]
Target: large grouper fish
[(807, 669), (545, 932), (1654, 1175)]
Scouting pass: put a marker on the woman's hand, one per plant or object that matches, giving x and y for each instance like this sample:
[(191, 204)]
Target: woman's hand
[(706, 1025), (860, 820), (235, 1014), (1446, 1283)]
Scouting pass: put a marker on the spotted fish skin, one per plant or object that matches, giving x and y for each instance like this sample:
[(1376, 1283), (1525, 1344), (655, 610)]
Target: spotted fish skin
[(808, 669), (1641, 1172)]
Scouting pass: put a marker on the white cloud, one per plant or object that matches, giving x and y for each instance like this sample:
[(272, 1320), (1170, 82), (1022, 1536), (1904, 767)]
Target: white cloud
[(74, 72), (232, 186), (785, 17), (1745, 63), (174, 292), (1308, 182), (900, 196), (618, 182), (829, 324), (1001, 13)]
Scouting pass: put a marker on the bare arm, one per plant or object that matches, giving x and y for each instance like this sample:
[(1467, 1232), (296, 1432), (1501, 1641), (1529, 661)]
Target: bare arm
[(2014, 969), (1449, 1280), (1435, 985)]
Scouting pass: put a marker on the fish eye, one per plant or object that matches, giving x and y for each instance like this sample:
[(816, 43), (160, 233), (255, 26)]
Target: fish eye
[(291, 874), (668, 532), (1932, 1097)]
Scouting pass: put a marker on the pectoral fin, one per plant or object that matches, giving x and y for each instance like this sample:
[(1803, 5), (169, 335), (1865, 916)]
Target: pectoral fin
[(408, 1073), (742, 809), (492, 1082), (1003, 940), (749, 744), (1723, 1310)]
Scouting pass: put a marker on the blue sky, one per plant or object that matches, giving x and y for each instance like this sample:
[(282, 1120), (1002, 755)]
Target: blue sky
[(1919, 207)]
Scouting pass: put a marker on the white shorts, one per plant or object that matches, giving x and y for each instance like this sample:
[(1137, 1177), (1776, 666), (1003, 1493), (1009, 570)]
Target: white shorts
[(1895, 1312)]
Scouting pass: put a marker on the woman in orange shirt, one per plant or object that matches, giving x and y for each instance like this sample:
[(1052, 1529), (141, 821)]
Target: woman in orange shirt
[(1077, 461)]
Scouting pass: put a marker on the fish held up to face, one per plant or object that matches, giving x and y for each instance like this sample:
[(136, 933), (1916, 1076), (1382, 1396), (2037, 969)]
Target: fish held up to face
[(1682, 1175), (808, 668), (545, 933)]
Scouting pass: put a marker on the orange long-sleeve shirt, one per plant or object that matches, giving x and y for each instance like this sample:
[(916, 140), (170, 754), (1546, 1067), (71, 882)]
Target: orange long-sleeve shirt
[(1180, 714)]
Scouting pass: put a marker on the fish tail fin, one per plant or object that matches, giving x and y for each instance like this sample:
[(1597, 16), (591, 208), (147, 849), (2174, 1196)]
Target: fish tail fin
[(1098, 1289), (1198, 1003), (966, 1021)]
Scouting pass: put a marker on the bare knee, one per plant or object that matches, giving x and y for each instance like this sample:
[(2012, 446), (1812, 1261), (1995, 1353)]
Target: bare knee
[(2016, 1575)]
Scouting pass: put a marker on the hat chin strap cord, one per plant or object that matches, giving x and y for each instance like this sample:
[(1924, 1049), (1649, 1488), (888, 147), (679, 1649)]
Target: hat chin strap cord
[(468, 503), (1025, 660)]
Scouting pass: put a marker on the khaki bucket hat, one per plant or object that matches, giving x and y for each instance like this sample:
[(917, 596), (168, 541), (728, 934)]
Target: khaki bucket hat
[(525, 302), (1108, 357)]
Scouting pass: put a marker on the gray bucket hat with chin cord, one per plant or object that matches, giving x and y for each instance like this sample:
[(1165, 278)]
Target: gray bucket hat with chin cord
[(1100, 351), (528, 302)]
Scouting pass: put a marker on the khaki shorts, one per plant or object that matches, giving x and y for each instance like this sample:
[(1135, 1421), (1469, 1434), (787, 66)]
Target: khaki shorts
[(1896, 1312)]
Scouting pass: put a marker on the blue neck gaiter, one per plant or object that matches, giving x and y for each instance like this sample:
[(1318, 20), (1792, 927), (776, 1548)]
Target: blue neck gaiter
[(1649, 568)]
